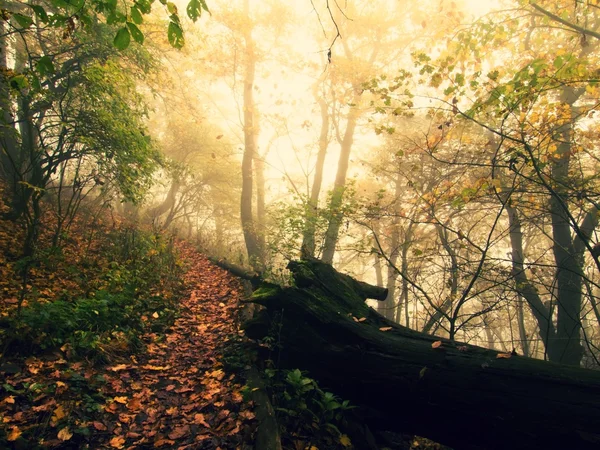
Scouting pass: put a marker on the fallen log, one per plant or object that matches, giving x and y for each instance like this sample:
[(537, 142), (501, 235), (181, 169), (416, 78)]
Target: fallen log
[(457, 394)]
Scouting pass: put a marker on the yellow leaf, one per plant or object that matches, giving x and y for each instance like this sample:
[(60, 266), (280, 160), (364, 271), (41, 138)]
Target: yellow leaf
[(150, 367), (59, 413), (385, 328), (121, 400), (345, 440), (65, 434), (436, 344), (155, 315), (503, 355)]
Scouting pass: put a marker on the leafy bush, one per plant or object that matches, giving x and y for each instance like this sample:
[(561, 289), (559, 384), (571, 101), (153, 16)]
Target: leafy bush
[(306, 412), (134, 289)]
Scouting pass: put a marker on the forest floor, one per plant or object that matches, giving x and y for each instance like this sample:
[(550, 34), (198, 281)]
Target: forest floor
[(173, 394)]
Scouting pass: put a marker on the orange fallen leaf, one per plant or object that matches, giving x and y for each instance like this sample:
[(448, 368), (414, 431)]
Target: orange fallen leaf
[(117, 442), (14, 434), (121, 400), (200, 420), (162, 442), (118, 367), (10, 399), (134, 404), (385, 328), (436, 344), (65, 434), (503, 355)]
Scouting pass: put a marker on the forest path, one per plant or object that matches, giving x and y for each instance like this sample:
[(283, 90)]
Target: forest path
[(176, 394)]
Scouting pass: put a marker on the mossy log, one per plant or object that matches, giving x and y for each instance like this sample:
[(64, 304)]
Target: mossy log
[(460, 395)]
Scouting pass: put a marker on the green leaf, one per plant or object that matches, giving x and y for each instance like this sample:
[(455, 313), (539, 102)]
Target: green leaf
[(194, 10), (23, 21), (19, 82), (40, 12), (171, 8), (122, 39), (44, 65), (137, 35), (136, 16), (144, 6), (558, 62), (175, 34)]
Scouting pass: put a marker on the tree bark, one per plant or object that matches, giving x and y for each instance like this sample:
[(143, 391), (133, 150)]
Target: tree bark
[(339, 187), (308, 247), (246, 214), (405, 381)]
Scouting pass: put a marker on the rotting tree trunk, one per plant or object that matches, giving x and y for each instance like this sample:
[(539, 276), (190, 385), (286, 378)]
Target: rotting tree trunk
[(457, 394)]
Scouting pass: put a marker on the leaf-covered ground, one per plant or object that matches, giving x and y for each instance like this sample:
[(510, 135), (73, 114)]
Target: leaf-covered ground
[(173, 394)]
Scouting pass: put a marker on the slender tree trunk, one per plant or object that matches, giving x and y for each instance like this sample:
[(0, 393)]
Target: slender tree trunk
[(526, 289), (259, 170), (246, 214), (308, 239), (522, 329), (339, 187)]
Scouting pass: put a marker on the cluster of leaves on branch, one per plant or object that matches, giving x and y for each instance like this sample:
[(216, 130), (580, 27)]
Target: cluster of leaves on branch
[(68, 15)]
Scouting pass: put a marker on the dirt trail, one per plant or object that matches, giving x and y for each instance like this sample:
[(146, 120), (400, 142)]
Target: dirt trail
[(176, 394)]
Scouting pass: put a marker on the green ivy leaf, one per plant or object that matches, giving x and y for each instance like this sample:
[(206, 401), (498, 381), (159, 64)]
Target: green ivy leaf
[(122, 39), (44, 65), (137, 35), (136, 16), (175, 34), (23, 21)]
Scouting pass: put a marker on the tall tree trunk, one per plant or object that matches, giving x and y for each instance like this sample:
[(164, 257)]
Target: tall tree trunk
[(569, 261), (248, 224), (259, 170), (542, 314), (308, 238), (339, 187), (8, 135)]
